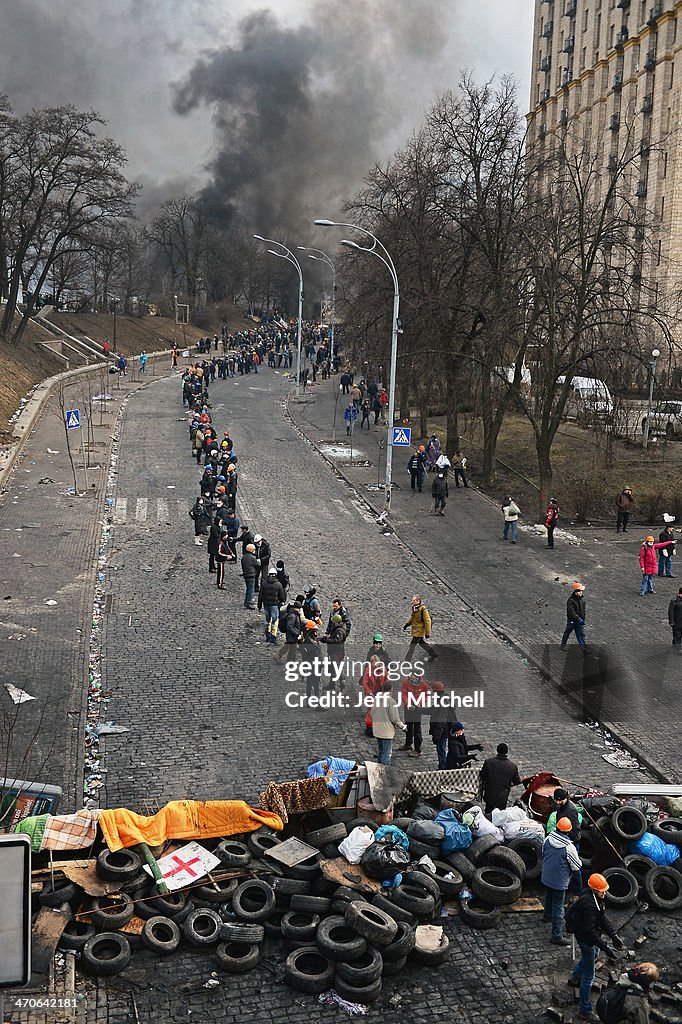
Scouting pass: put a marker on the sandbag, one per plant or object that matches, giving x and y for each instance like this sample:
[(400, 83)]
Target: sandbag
[(355, 844), (457, 834), (384, 860), (661, 853)]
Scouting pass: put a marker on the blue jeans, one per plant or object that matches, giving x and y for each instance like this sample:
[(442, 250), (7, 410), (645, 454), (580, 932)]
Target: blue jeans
[(584, 970), (250, 582), (647, 583), (665, 564), (554, 910), (512, 527), (442, 751), (271, 613), (384, 751), (579, 628)]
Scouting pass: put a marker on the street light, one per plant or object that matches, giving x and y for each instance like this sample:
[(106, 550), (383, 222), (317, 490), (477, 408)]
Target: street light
[(323, 258), (389, 264), (290, 258), (652, 377), (114, 304)]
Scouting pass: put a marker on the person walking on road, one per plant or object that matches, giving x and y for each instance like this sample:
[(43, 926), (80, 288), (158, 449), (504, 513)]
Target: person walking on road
[(575, 616), (443, 465), (498, 775), (624, 501), (416, 467), (419, 624), (559, 860), (665, 555), (385, 722), (511, 520), (551, 519), (250, 566), (350, 415), (432, 453), (414, 692), (647, 563), (294, 624), (588, 921), (440, 494), (142, 359), (373, 679), (270, 600), (377, 648), (675, 620), (459, 464)]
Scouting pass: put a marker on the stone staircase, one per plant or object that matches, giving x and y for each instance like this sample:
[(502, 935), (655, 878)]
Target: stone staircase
[(74, 350)]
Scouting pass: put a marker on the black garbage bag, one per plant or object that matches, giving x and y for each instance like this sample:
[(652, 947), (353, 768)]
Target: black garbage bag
[(425, 811), (426, 832), (384, 860), (598, 806)]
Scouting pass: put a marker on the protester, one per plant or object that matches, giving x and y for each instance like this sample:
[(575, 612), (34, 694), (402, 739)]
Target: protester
[(201, 515), (377, 647), (498, 775), (432, 453), (385, 722), (675, 619), (350, 416), (559, 859), (665, 554), (439, 725), (419, 624), (439, 492), (373, 679), (511, 520), (628, 997), (250, 565), (625, 500), (588, 921), (647, 563), (270, 600), (551, 519), (459, 749), (575, 616), (416, 467), (459, 464), (414, 692)]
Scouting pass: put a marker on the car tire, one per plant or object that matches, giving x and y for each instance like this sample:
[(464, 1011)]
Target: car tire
[(358, 993), (478, 914), (639, 865), (309, 970), (669, 830), (371, 923), (254, 900), (363, 971), (63, 892), (394, 966), (530, 851), (237, 957), (402, 944), (234, 931), (496, 885), (202, 927), (169, 904), (664, 888), (338, 941), (105, 955), (75, 935), (628, 823), (330, 834), (307, 870), (461, 863), (421, 849), (300, 927), (362, 823), (108, 913), (273, 925), (623, 887), (424, 878), (161, 935), (285, 888), (227, 887), (394, 911), (119, 866), (259, 843), (415, 899), (431, 957), (503, 857), (478, 849), (233, 854), (321, 905)]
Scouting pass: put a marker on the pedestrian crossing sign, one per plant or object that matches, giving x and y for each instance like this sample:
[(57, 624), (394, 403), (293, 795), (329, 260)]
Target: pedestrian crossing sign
[(73, 418), (402, 437)]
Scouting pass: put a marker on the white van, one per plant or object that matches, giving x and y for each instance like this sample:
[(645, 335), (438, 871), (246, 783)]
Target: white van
[(589, 398)]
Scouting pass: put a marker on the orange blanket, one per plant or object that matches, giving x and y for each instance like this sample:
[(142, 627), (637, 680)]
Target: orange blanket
[(183, 819)]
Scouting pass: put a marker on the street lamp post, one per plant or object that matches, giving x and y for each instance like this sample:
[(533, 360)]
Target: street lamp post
[(652, 378), (114, 304), (395, 330), (323, 258), (288, 255)]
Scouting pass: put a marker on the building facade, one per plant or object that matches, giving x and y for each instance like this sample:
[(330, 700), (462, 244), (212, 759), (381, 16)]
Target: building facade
[(606, 69)]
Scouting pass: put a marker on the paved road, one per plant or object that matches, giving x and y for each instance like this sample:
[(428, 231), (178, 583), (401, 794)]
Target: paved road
[(186, 671), (524, 589)]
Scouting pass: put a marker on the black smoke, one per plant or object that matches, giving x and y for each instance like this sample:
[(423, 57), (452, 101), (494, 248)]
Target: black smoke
[(301, 113)]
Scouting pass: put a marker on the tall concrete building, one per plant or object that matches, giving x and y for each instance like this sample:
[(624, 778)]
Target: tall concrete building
[(604, 68)]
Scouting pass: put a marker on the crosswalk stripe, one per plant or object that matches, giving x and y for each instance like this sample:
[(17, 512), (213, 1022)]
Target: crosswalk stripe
[(120, 510), (161, 510), (141, 510), (148, 511)]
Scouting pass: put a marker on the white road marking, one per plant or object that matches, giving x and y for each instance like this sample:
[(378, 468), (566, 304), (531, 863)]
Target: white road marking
[(141, 510), (120, 510)]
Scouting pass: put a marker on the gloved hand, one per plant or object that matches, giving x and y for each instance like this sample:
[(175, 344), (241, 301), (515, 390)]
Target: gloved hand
[(477, 746), (618, 942), (611, 953)]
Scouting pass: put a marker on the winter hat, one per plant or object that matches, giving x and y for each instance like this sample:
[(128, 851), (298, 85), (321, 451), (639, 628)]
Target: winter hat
[(457, 727), (280, 563), (272, 571), (560, 794)]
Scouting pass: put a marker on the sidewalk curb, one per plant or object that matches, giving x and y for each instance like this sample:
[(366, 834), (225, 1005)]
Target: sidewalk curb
[(517, 645), (28, 417)]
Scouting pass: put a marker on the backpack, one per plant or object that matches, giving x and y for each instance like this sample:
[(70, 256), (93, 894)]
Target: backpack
[(611, 1004), (309, 609)]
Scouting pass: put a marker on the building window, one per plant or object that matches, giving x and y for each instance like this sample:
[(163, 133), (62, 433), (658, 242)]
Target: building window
[(612, 33), (672, 74), (583, 59), (586, 15), (665, 165), (658, 255), (662, 206), (597, 33), (642, 12), (674, 30)]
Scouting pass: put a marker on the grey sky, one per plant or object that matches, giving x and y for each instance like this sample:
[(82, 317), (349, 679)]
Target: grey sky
[(122, 57)]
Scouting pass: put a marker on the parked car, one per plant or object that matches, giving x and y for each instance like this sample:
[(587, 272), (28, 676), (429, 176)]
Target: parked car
[(589, 400), (666, 419)]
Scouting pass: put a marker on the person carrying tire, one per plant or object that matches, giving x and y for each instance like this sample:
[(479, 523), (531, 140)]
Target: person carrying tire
[(587, 919), (675, 620), (575, 616), (419, 624), (498, 775), (559, 860)]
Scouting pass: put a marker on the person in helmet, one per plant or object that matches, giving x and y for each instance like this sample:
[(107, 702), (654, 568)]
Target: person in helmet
[(335, 638), (648, 564), (263, 554), (559, 860), (575, 616), (377, 647), (311, 606), (270, 600), (588, 921)]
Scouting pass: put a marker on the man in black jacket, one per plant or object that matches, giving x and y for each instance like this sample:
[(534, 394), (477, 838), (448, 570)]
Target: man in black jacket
[(270, 600), (587, 919), (295, 624), (565, 808), (675, 619), (250, 566), (338, 608), (498, 775), (459, 750), (201, 514), (263, 554), (439, 493), (575, 616)]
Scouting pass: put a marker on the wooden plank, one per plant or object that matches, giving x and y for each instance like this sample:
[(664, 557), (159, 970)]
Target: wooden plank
[(59, 865), (133, 927), (341, 872), (45, 934), (88, 879)]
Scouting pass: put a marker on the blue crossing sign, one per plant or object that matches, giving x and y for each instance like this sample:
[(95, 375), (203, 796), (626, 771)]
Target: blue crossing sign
[(73, 418), (402, 437)]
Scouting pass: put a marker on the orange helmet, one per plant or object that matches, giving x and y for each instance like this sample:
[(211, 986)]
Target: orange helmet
[(598, 883), (649, 540), (578, 586), (564, 825), (310, 624)]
